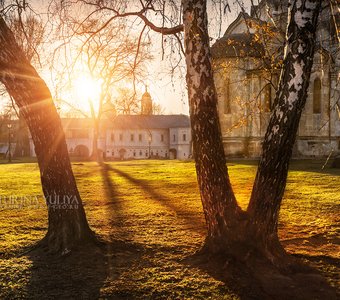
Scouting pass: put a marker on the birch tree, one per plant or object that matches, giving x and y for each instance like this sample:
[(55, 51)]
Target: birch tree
[(255, 228)]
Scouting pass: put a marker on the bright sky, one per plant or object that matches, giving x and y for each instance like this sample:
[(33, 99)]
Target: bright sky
[(167, 90)]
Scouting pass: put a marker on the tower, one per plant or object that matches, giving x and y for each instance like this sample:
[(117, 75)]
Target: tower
[(146, 103)]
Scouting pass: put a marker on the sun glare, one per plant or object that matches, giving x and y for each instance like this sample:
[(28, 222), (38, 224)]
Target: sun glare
[(87, 88)]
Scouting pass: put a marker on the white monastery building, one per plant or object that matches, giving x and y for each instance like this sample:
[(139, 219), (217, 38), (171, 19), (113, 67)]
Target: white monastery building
[(131, 136)]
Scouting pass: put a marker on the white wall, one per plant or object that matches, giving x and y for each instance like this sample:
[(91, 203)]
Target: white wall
[(136, 143), (136, 148), (179, 143)]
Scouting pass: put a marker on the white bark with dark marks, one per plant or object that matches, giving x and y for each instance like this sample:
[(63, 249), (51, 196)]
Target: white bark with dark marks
[(219, 203), (279, 140), (229, 229)]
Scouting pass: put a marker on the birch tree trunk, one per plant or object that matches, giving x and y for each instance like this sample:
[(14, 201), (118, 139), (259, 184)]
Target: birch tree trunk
[(221, 210), (229, 229), (67, 224), (280, 136)]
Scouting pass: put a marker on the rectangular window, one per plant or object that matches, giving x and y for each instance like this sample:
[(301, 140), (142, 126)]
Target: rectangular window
[(317, 96), (132, 137), (184, 137), (267, 98), (140, 137), (338, 110), (162, 138), (121, 137), (174, 138), (227, 106)]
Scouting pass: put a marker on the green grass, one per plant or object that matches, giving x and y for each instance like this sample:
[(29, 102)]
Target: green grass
[(151, 211)]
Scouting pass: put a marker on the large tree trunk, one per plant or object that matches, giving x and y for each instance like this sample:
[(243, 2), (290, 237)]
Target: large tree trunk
[(280, 137), (229, 229), (67, 224), (221, 210), (22, 139)]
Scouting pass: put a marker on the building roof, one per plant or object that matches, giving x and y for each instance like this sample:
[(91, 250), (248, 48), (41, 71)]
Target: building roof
[(77, 122), (149, 122), (239, 44), (131, 122)]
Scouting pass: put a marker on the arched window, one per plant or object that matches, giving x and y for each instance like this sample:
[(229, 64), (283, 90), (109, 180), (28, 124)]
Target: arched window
[(317, 96), (227, 108), (267, 98)]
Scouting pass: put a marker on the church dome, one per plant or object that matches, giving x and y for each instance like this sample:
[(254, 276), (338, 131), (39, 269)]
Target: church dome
[(146, 103), (146, 95)]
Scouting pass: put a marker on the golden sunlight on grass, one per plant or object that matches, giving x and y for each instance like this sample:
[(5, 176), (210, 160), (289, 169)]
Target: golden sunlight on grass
[(151, 212)]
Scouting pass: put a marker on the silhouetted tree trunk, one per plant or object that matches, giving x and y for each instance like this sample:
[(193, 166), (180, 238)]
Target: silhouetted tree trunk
[(22, 139), (228, 226), (67, 224)]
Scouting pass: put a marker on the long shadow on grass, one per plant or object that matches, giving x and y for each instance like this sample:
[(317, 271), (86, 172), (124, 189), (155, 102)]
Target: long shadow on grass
[(115, 214), (314, 166), (328, 266), (90, 271), (117, 219), (194, 221), (119, 232), (260, 280), (77, 276)]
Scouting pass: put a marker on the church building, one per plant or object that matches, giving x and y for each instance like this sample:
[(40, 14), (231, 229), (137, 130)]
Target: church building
[(141, 136), (247, 61)]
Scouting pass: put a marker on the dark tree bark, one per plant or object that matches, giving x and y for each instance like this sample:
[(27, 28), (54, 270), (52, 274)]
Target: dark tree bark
[(280, 136), (228, 226), (67, 224), (22, 139), (220, 207)]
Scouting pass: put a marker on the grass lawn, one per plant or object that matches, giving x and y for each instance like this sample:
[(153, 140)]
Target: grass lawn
[(150, 212)]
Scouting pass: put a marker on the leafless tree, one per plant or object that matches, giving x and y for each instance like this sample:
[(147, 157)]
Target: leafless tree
[(110, 58)]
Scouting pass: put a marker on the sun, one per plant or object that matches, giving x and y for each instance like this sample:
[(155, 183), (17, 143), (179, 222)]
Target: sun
[(87, 89)]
